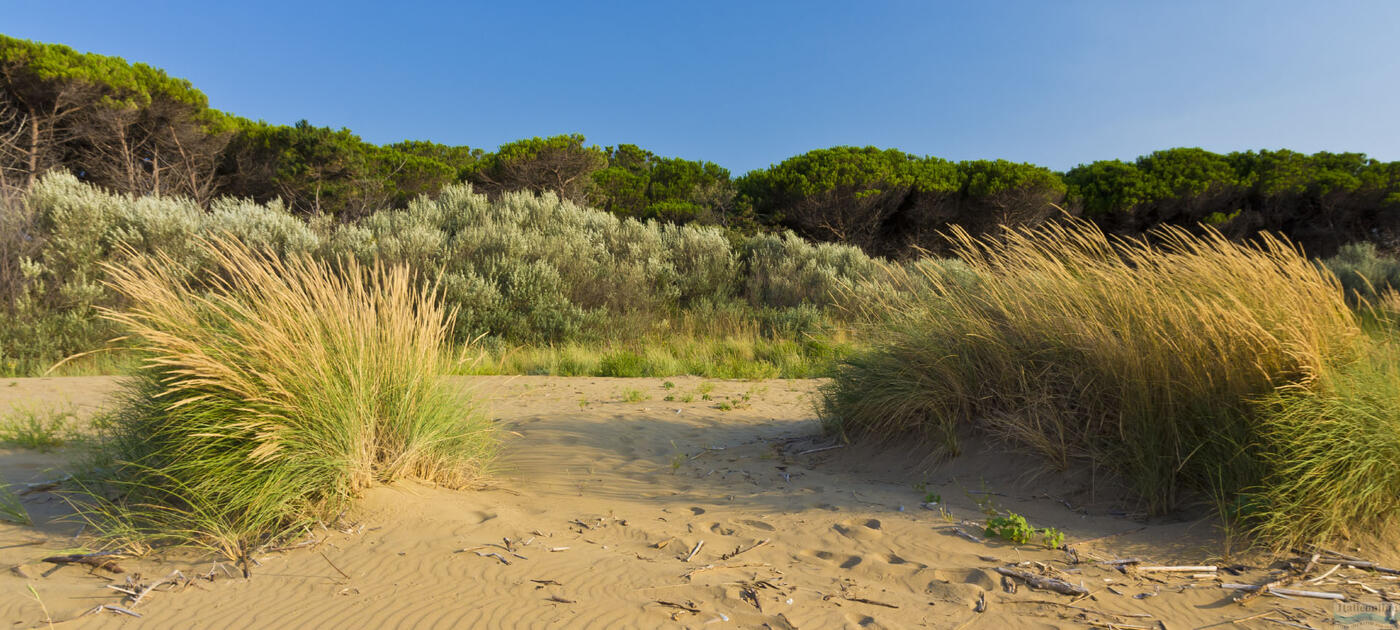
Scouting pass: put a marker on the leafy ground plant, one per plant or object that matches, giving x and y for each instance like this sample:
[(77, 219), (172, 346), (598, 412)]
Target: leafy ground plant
[(272, 392), (1014, 528)]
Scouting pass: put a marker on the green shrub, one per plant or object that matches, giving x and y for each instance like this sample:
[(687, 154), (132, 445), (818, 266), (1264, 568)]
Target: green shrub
[(521, 269), (1365, 274)]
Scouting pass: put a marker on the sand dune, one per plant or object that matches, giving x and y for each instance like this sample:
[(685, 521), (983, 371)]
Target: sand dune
[(597, 507)]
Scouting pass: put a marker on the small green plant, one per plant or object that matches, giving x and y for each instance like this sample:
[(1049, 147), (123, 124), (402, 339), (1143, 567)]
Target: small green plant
[(634, 395), (40, 430), (1013, 527), (12, 509), (933, 498), (677, 458), (668, 385), (669, 398), (724, 405), (583, 403), (688, 398)]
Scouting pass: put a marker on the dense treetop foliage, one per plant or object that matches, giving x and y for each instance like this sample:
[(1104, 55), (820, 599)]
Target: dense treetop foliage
[(132, 128)]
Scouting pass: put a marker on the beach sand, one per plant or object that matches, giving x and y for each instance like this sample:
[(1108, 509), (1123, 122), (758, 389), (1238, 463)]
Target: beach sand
[(605, 513)]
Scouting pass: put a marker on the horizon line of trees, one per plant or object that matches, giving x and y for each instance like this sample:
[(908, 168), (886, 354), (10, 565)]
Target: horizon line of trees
[(133, 129)]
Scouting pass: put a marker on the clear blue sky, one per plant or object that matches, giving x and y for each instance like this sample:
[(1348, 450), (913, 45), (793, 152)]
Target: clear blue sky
[(746, 84)]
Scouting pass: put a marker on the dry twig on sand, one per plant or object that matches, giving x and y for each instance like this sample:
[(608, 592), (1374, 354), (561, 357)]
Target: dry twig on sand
[(738, 550), (105, 560), (1044, 583), (694, 551)]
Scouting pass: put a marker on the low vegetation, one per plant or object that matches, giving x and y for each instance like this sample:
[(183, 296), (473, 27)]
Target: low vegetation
[(272, 391), (1187, 365), (36, 429), (537, 285)]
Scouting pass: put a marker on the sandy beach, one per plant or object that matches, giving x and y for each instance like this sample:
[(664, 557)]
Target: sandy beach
[(612, 507)]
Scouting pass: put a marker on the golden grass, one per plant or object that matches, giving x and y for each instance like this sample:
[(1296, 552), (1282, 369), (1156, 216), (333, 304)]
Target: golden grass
[(1141, 357), (273, 391)]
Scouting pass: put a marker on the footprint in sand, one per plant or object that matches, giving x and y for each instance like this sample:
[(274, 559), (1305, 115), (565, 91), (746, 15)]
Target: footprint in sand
[(760, 525), (867, 530), (863, 621), (721, 529), (478, 517), (697, 511)]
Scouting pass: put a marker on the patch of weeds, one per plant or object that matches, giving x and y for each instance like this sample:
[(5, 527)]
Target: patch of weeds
[(687, 398), (40, 430), (677, 458), (741, 401), (668, 385), (1013, 527), (583, 403), (634, 395), (623, 364), (669, 398)]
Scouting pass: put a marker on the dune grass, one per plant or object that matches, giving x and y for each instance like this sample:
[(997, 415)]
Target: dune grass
[(1188, 366), (736, 356), (1330, 452), (271, 393)]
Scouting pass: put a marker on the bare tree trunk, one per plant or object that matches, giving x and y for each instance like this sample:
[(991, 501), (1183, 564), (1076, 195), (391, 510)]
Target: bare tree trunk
[(33, 150)]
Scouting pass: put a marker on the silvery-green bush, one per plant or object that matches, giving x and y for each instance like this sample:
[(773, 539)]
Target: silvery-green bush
[(522, 268)]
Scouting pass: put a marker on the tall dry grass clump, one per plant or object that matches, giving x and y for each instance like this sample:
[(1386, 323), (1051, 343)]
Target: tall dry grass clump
[(1145, 358), (272, 391)]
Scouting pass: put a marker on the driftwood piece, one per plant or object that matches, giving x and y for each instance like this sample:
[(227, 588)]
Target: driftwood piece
[(1260, 589), (1325, 574), (959, 531), (1361, 564), (1044, 583), (1288, 592), (1181, 568), (105, 560)]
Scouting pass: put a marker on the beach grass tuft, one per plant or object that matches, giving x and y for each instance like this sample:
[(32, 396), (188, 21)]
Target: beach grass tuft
[(272, 392), (1184, 363)]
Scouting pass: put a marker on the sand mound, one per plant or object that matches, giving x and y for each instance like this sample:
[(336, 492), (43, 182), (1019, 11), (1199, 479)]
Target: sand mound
[(722, 507)]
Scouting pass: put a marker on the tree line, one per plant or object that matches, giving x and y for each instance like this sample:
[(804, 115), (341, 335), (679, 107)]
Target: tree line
[(133, 129)]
